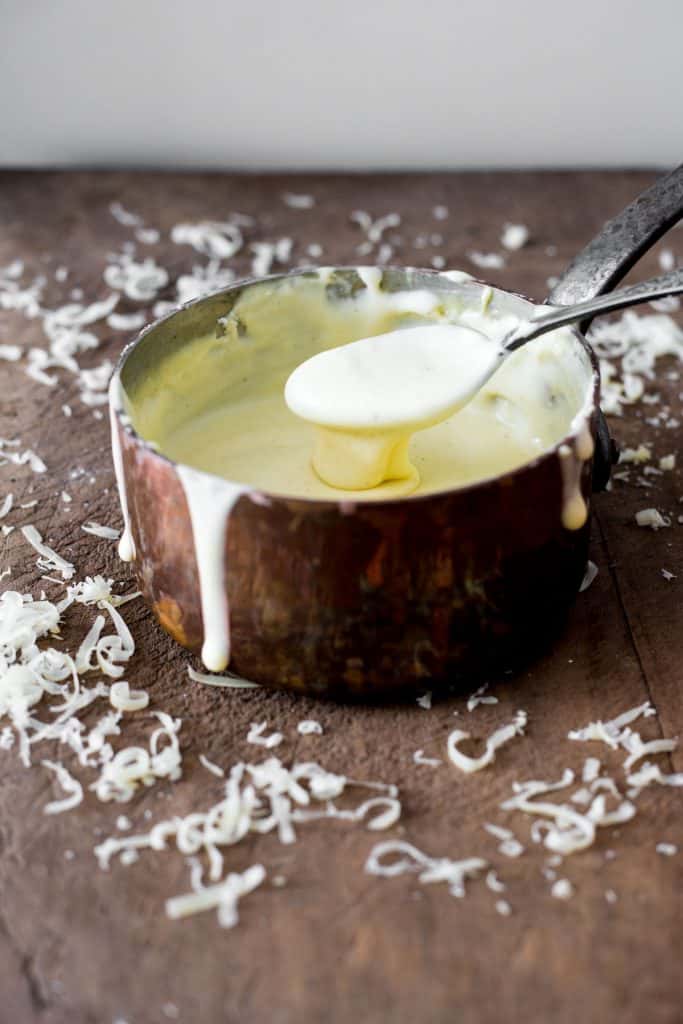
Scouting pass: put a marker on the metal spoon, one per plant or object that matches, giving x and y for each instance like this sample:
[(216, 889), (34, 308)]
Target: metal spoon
[(412, 378), (559, 316)]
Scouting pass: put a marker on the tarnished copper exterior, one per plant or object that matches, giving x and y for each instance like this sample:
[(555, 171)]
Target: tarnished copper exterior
[(362, 599)]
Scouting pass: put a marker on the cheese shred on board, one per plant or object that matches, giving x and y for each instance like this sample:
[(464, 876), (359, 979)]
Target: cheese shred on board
[(228, 682), (396, 857), (224, 896), (496, 740)]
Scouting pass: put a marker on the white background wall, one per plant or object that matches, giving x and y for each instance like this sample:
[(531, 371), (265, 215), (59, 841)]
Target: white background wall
[(354, 84)]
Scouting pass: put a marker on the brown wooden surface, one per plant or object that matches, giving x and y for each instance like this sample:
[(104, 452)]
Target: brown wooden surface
[(336, 945)]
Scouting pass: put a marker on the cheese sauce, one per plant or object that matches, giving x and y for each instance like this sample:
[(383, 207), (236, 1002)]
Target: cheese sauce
[(218, 403)]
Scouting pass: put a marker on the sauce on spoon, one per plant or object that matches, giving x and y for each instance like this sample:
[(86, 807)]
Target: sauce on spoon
[(367, 398)]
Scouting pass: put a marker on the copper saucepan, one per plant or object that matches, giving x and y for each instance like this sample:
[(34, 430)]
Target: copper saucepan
[(366, 599)]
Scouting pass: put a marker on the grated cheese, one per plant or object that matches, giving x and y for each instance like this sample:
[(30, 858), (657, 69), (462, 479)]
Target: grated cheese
[(126, 321), (211, 767), (667, 260), (562, 889), (653, 518), (637, 455), (494, 883), (132, 767), (648, 774), (571, 831), (138, 281), (567, 831), (106, 532), (479, 697), (122, 698), (11, 353), (611, 732), (48, 559), (123, 216), (110, 650), (69, 784), (298, 201), (309, 727), (487, 260), (260, 798), (6, 738), (591, 769), (496, 740), (219, 240), (97, 590), (637, 342), (25, 458), (510, 846), (147, 236), (589, 576), (229, 682), (514, 236), (255, 736), (224, 897), (419, 758), (374, 229), (667, 304), (202, 281), (637, 748), (429, 869)]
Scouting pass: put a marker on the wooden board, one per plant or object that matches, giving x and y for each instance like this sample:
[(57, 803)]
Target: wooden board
[(335, 945)]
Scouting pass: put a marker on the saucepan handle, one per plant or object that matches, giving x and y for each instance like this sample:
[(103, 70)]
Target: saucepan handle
[(607, 259)]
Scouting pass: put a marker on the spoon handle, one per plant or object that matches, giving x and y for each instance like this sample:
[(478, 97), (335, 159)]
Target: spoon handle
[(644, 291)]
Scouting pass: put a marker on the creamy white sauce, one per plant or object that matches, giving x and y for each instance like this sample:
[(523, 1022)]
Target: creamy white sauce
[(210, 502), (371, 278), (126, 543), (572, 459), (369, 397)]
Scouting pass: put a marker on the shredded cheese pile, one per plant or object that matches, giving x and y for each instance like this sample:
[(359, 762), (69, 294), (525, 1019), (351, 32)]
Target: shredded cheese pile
[(628, 350), (258, 798)]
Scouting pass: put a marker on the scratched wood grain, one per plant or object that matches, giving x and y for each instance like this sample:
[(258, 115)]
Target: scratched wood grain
[(335, 945)]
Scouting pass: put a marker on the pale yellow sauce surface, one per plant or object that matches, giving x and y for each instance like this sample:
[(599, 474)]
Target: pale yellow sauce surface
[(368, 398), (217, 404)]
